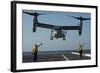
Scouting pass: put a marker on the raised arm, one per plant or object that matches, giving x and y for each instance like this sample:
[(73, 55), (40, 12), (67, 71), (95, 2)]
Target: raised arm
[(83, 44), (39, 45)]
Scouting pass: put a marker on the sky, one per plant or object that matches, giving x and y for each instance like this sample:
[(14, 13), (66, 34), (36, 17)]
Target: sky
[(42, 35)]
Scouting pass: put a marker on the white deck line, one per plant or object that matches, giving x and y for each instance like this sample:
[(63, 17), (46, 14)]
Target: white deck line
[(65, 57), (83, 54)]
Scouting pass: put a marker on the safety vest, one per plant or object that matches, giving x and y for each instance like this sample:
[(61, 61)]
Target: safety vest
[(34, 50)]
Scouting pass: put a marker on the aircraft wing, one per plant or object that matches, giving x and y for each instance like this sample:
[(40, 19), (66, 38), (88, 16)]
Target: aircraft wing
[(48, 26), (70, 27)]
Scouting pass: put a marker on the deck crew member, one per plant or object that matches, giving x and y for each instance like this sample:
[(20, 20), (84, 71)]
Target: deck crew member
[(35, 51)]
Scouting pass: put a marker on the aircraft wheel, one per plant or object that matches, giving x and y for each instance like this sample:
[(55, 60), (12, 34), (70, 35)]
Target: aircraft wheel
[(64, 39), (51, 38)]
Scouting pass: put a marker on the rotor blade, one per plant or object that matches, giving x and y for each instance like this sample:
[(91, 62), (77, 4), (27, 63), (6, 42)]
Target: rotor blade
[(44, 13), (86, 18), (79, 18), (35, 13), (28, 13), (73, 17)]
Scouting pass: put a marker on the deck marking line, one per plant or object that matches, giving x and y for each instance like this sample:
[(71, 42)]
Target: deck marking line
[(83, 54), (65, 57)]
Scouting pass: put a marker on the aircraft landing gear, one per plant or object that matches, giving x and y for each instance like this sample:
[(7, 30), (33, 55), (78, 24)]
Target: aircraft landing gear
[(51, 38), (64, 39)]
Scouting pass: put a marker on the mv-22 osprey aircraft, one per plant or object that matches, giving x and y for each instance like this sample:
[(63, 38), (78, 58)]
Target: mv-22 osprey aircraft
[(59, 33)]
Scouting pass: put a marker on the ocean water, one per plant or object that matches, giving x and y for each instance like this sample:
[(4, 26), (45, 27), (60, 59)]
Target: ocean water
[(57, 52)]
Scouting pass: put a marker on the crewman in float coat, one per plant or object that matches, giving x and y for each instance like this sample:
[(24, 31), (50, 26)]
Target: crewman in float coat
[(35, 51)]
